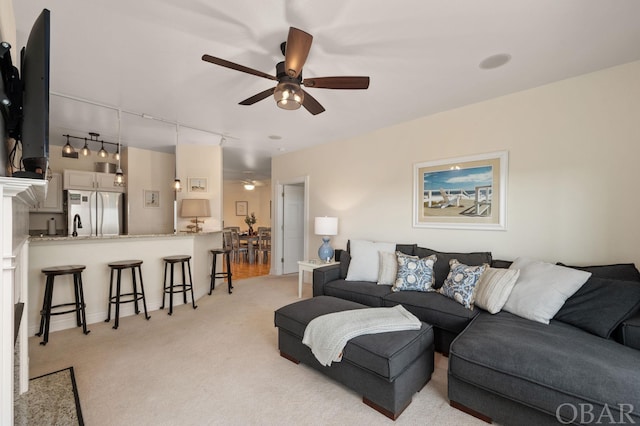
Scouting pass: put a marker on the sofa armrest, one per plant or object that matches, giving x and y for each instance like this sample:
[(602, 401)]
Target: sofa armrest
[(324, 275), (631, 332)]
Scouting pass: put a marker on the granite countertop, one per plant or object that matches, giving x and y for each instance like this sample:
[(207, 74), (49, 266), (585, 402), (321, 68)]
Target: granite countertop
[(44, 237)]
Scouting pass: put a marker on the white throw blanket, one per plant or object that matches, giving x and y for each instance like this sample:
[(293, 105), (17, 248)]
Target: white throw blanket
[(327, 335)]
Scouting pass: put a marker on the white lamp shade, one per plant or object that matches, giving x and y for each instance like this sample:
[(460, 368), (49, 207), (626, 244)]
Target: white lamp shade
[(193, 207), (326, 225)]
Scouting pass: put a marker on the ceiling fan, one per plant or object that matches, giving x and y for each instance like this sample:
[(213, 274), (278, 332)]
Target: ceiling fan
[(288, 92)]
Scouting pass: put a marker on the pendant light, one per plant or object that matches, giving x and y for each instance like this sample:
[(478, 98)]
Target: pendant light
[(116, 156), (119, 179), (177, 185), (68, 149), (85, 149), (103, 152)]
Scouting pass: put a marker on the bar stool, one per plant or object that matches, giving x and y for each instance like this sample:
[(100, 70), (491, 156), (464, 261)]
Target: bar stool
[(226, 254), (172, 287), (117, 267), (78, 304)]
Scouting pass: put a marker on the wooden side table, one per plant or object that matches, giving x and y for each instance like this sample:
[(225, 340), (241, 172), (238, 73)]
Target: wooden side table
[(308, 265)]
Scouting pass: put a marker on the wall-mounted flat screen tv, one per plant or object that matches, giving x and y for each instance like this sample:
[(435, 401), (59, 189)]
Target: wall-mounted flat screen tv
[(34, 127)]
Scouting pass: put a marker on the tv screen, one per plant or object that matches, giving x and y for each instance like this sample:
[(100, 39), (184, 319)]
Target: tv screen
[(35, 99)]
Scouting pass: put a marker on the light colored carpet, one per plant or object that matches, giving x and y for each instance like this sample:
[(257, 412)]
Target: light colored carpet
[(52, 399), (218, 364)]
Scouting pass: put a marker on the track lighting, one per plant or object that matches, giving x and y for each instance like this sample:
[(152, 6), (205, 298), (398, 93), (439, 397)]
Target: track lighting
[(103, 152), (85, 149)]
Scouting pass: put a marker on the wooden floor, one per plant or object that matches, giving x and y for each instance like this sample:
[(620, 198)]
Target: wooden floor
[(241, 270)]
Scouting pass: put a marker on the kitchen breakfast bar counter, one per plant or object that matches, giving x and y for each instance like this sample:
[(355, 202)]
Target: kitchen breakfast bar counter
[(96, 253)]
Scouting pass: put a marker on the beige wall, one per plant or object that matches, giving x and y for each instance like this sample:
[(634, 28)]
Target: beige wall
[(8, 28), (573, 172), (258, 202), (201, 161), (153, 171)]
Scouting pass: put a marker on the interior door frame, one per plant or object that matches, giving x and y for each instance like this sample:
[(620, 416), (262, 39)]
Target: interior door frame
[(277, 228)]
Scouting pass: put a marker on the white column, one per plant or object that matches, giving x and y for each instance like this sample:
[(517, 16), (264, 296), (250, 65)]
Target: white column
[(16, 195)]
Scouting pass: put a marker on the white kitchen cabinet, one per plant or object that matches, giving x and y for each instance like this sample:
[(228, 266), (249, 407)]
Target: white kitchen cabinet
[(77, 179), (53, 202)]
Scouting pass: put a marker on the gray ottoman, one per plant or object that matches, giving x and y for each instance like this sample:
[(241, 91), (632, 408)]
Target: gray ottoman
[(386, 368)]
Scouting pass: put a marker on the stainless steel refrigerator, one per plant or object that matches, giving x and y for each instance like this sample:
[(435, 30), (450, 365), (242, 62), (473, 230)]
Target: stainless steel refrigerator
[(99, 212)]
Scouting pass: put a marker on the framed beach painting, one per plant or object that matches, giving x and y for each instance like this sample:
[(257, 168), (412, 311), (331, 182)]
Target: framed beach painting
[(461, 193), (198, 184)]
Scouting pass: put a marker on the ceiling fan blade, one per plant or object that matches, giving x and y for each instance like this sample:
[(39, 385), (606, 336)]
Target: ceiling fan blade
[(237, 67), (298, 45), (260, 96), (337, 82), (311, 104)]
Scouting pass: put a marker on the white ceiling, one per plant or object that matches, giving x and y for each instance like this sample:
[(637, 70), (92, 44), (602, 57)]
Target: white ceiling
[(144, 56)]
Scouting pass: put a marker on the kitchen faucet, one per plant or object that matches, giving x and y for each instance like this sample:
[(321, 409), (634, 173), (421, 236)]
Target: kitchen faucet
[(75, 232)]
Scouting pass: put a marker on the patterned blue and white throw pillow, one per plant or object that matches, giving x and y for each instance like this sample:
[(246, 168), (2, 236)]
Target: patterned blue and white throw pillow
[(461, 282), (414, 274)]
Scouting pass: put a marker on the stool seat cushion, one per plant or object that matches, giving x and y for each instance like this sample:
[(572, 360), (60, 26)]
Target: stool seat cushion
[(125, 263), (220, 250), (63, 269), (177, 258)]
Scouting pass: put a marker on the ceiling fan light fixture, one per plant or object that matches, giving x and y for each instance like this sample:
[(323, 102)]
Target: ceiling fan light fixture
[(249, 186), (288, 95)]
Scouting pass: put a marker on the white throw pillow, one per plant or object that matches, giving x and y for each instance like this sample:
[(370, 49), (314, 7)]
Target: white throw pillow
[(388, 268), (365, 261), (542, 289), (494, 288)]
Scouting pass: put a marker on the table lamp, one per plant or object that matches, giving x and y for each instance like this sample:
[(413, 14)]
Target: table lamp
[(326, 226), (195, 207)]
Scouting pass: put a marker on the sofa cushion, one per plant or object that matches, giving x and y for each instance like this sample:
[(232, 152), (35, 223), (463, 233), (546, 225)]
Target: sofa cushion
[(600, 305), (494, 288), (542, 289), (409, 249), (461, 283), (441, 267), (631, 332), (414, 274), (618, 271), (345, 260), (295, 317), (545, 366), (433, 308), (364, 292), (388, 268), (385, 354), (498, 263), (364, 259)]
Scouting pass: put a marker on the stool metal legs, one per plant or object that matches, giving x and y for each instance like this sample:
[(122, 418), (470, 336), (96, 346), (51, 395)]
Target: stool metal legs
[(223, 275), (47, 307), (135, 294), (172, 287)]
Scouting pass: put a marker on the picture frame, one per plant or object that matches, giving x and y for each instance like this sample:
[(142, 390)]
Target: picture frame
[(461, 193), (242, 208), (197, 184), (151, 199)]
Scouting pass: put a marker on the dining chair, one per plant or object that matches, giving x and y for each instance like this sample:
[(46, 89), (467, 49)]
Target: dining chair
[(264, 244), (239, 251), (227, 242)]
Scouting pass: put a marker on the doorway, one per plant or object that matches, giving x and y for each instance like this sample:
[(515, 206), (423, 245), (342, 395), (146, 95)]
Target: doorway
[(289, 242)]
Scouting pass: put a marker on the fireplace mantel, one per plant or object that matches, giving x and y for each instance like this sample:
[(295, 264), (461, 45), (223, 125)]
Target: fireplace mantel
[(17, 196)]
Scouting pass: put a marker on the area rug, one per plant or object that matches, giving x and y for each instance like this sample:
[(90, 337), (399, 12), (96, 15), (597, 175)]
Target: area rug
[(52, 399)]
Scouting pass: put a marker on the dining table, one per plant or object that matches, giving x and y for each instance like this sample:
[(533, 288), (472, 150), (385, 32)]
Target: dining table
[(252, 245)]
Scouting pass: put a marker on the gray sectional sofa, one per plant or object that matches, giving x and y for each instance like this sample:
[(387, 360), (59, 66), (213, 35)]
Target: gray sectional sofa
[(582, 368)]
